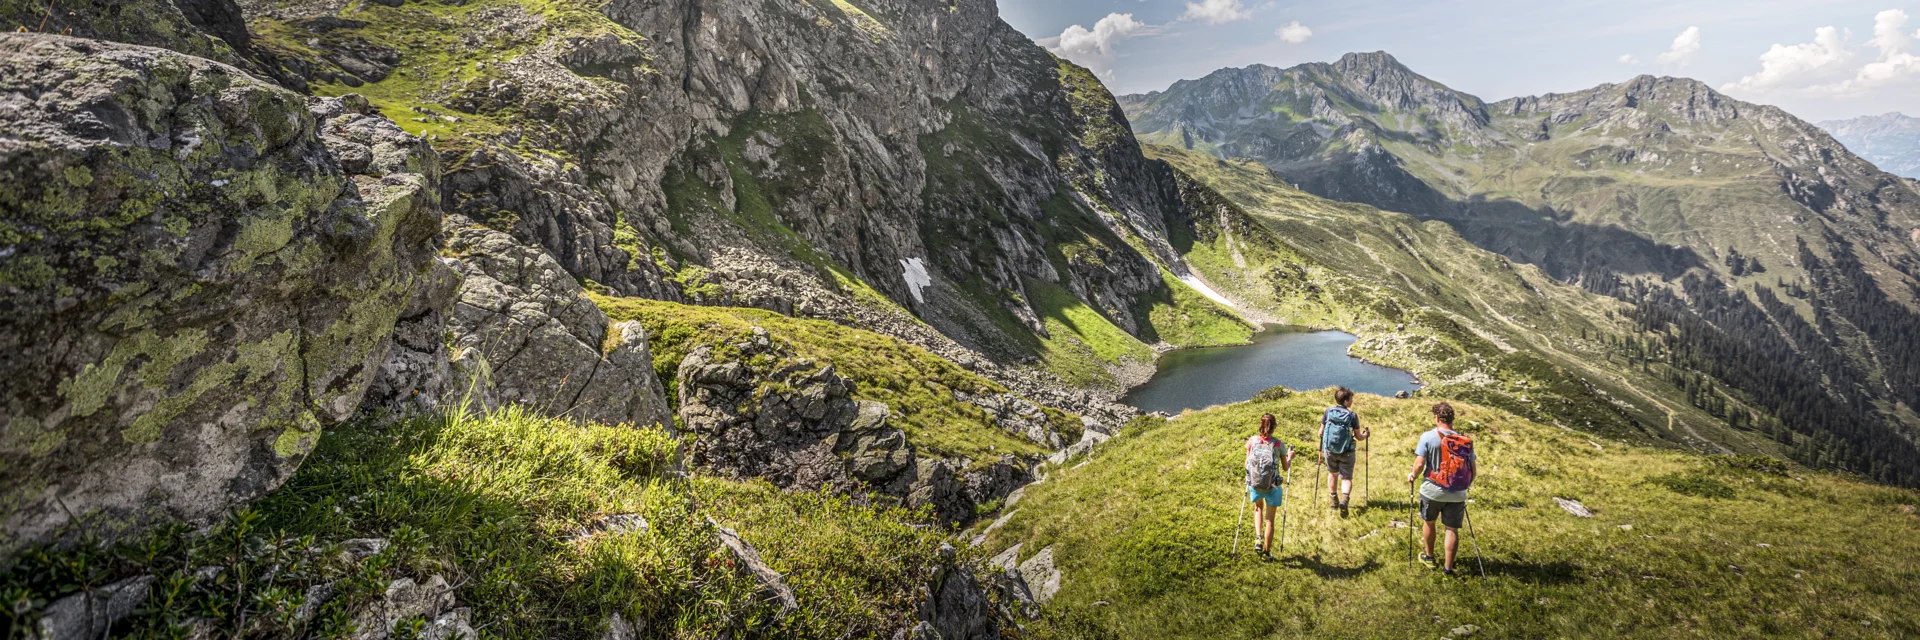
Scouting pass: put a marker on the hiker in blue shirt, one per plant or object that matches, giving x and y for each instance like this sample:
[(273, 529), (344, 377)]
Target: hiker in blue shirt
[(1339, 431), (1442, 453)]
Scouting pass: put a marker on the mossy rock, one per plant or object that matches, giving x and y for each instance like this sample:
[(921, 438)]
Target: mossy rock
[(194, 284)]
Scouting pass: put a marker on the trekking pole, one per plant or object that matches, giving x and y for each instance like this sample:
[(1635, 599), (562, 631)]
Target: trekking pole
[(1476, 541), (1283, 507), (1236, 527), (1366, 472), (1319, 465), (1413, 515)]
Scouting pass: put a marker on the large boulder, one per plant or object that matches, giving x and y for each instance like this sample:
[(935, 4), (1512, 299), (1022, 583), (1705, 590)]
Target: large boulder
[(194, 282), (543, 343)]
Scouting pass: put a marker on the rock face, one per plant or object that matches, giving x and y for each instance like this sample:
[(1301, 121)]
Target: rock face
[(791, 156), (751, 408), (201, 271), (544, 344)]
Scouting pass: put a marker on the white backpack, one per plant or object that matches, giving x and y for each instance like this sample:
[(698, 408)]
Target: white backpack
[(1263, 471)]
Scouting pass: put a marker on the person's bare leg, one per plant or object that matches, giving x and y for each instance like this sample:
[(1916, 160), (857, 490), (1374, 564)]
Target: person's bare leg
[(1256, 523), (1453, 545), (1346, 489), (1267, 516), (1426, 534)]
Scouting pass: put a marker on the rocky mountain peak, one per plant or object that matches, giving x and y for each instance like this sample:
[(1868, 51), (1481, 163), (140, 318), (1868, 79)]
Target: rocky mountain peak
[(1370, 62), (1890, 140)]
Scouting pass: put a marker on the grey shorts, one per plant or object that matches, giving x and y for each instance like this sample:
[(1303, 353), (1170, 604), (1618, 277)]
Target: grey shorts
[(1449, 513), (1341, 463)]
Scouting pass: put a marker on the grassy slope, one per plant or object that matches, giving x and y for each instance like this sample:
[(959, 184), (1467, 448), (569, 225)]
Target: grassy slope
[(489, 503), (1142, 533), (1425, 299)]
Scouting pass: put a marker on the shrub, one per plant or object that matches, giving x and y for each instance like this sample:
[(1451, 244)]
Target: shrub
[(1694, 484)]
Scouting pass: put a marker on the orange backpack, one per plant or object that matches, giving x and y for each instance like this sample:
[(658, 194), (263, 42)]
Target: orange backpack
[(1454, 470)]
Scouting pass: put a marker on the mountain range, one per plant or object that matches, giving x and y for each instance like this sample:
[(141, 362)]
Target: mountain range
[(1891, 140), (719, 318), (1740, 233)]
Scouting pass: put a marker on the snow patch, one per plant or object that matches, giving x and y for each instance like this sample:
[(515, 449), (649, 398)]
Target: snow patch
[(1201, 286), (917, 278)]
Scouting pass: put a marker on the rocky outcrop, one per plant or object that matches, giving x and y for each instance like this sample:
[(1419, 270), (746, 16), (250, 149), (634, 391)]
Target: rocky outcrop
[(544, 345), (751, 408), (200, 272)]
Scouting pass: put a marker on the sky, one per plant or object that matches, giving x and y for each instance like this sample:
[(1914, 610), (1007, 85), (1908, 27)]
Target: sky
[(1819, 59)]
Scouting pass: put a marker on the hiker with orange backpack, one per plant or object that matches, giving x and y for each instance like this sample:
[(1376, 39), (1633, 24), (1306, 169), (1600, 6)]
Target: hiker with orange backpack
[(1444, 466)]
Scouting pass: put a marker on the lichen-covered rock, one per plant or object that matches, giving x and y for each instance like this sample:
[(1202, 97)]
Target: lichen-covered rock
[(543, 343), (753, 409), (191, 285)]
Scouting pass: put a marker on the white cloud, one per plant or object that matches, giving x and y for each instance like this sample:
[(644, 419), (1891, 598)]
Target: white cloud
[(1078, 40), (1825, 67), (1895, 63), (1685, 46), (1294, 33), (1799, 66), (1216, 11), (1628, 58)]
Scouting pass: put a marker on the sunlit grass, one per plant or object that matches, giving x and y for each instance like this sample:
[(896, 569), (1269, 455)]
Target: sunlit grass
[(1143, 531)]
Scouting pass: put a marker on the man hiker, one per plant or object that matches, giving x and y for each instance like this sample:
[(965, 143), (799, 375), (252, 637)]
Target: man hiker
[(1444, 466), (1339, 429), (1264, 466)]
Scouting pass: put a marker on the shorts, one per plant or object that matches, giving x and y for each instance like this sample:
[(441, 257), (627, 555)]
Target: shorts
[(1449, 513), (1341, 463), (1273, 496)]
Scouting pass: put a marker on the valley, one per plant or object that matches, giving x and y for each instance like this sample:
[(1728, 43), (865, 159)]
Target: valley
[(620, 319)]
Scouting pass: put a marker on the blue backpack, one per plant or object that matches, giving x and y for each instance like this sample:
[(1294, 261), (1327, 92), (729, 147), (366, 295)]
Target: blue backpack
[(1339, 424)]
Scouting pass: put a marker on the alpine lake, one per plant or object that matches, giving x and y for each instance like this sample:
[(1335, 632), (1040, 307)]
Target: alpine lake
[(1296, 357)]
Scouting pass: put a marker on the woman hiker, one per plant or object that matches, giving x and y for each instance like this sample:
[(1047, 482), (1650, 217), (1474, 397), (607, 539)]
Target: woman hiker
[(1264, 467)]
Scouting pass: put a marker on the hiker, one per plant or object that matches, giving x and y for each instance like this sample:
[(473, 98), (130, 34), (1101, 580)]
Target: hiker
[(1339, 430), (1264, 466), (1444, 466)]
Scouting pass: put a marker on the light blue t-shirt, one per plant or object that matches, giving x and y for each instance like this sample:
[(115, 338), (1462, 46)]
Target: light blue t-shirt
[(1429, 450)]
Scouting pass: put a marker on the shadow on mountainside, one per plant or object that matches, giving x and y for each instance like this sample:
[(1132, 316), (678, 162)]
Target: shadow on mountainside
[(1565, 250), (1542, 237)]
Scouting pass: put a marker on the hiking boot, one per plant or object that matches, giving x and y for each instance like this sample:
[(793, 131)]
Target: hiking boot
[(1257, 549), (1343, 508), (1427, 559), (1266, 556), (1447, 572), (1334, 501)]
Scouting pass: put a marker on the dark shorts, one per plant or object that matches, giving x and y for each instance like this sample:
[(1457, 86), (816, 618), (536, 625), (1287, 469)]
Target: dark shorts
[(1449, 513), (1341, 463)]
